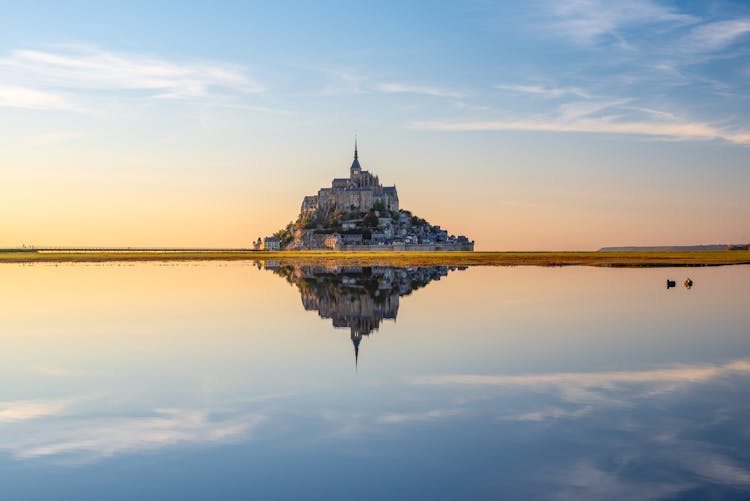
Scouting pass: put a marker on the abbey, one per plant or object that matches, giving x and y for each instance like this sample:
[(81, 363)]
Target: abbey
[(360, 214), (360, 191)]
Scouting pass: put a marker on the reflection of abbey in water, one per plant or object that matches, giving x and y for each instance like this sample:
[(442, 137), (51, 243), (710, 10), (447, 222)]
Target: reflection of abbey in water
[(355, 297)]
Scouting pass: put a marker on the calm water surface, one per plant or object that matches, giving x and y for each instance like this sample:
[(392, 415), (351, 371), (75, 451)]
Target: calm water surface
[(229, 381)]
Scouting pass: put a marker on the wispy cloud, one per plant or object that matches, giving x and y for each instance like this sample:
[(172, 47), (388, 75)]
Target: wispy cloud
[(675, 130), (575, 110), (587, 21), (16, 96), (717, 35), (418, 89), (614, 109), (343, 81), (660, 114), (601, 116), (39, 76), (675, 38), (544, 91), (652, 47)]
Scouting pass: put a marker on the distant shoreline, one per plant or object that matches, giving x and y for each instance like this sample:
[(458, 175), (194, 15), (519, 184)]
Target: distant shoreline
[(596, 258)]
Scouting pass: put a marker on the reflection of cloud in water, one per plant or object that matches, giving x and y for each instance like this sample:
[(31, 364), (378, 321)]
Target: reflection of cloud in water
[(407, 417), (635, 469), (590, 389), (716, 468), (47, 370), (24, 410), (547, 413), (92, 438), (585, 480), (649, 434), (579, 385)]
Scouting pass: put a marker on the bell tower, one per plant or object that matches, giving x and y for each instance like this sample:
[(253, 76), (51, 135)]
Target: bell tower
[(355, 169)]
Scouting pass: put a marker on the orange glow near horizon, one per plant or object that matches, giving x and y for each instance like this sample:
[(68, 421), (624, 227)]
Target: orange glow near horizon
[(229, 201)]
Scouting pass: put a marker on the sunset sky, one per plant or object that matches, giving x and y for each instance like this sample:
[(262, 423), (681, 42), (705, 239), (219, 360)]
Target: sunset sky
[(559, 125)]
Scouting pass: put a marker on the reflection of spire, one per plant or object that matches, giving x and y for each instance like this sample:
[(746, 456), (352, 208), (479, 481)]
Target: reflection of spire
[(356, 339), (354, 297)]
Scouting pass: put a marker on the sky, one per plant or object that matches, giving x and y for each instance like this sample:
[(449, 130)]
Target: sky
[(560, 125)]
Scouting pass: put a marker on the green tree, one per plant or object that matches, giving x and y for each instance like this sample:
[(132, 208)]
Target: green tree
[(307, 222), (371, 220)]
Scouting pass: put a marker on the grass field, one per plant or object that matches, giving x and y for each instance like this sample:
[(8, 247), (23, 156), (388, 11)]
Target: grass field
[(620, 259)]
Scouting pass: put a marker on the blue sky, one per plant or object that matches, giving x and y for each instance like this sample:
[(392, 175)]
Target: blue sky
[(562, 124)]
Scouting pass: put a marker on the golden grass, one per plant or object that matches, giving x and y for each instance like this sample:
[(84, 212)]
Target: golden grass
[(625, 259)]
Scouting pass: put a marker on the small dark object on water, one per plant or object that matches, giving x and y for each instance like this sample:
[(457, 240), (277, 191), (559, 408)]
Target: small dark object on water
[(688, 283), (670, 283)]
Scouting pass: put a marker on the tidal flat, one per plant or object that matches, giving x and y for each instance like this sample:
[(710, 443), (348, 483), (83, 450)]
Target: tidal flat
[(216, 379), (634, 259)]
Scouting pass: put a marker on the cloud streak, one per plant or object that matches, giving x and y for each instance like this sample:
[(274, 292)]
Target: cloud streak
[(398, 88), (544, 91), (586, 22), (587, 113), (604, 125), (717, 35), (16, 96), (41, 76)]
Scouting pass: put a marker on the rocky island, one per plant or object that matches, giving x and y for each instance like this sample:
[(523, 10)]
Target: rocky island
[(358, 213)]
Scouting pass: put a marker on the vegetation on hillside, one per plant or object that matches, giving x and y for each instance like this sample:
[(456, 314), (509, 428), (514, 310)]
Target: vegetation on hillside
[(351, 221), (285, 235)]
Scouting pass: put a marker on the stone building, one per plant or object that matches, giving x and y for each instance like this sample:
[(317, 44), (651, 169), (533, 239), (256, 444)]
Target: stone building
[(361, 190), (334, 241), (271, 243)]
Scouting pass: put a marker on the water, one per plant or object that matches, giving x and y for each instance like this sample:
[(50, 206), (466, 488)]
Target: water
[(225, 381)]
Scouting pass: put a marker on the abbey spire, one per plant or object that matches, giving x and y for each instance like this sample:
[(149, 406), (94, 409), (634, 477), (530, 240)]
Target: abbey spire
[(355, 168)]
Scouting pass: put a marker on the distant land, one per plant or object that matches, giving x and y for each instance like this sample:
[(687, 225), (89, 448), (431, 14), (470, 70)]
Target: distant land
[(676, 248)]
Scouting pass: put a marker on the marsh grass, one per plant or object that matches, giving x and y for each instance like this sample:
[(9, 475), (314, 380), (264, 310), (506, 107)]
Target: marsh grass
[(387, 258)]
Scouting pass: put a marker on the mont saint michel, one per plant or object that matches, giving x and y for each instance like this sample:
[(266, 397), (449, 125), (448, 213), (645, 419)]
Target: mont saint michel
[(358, 213)]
